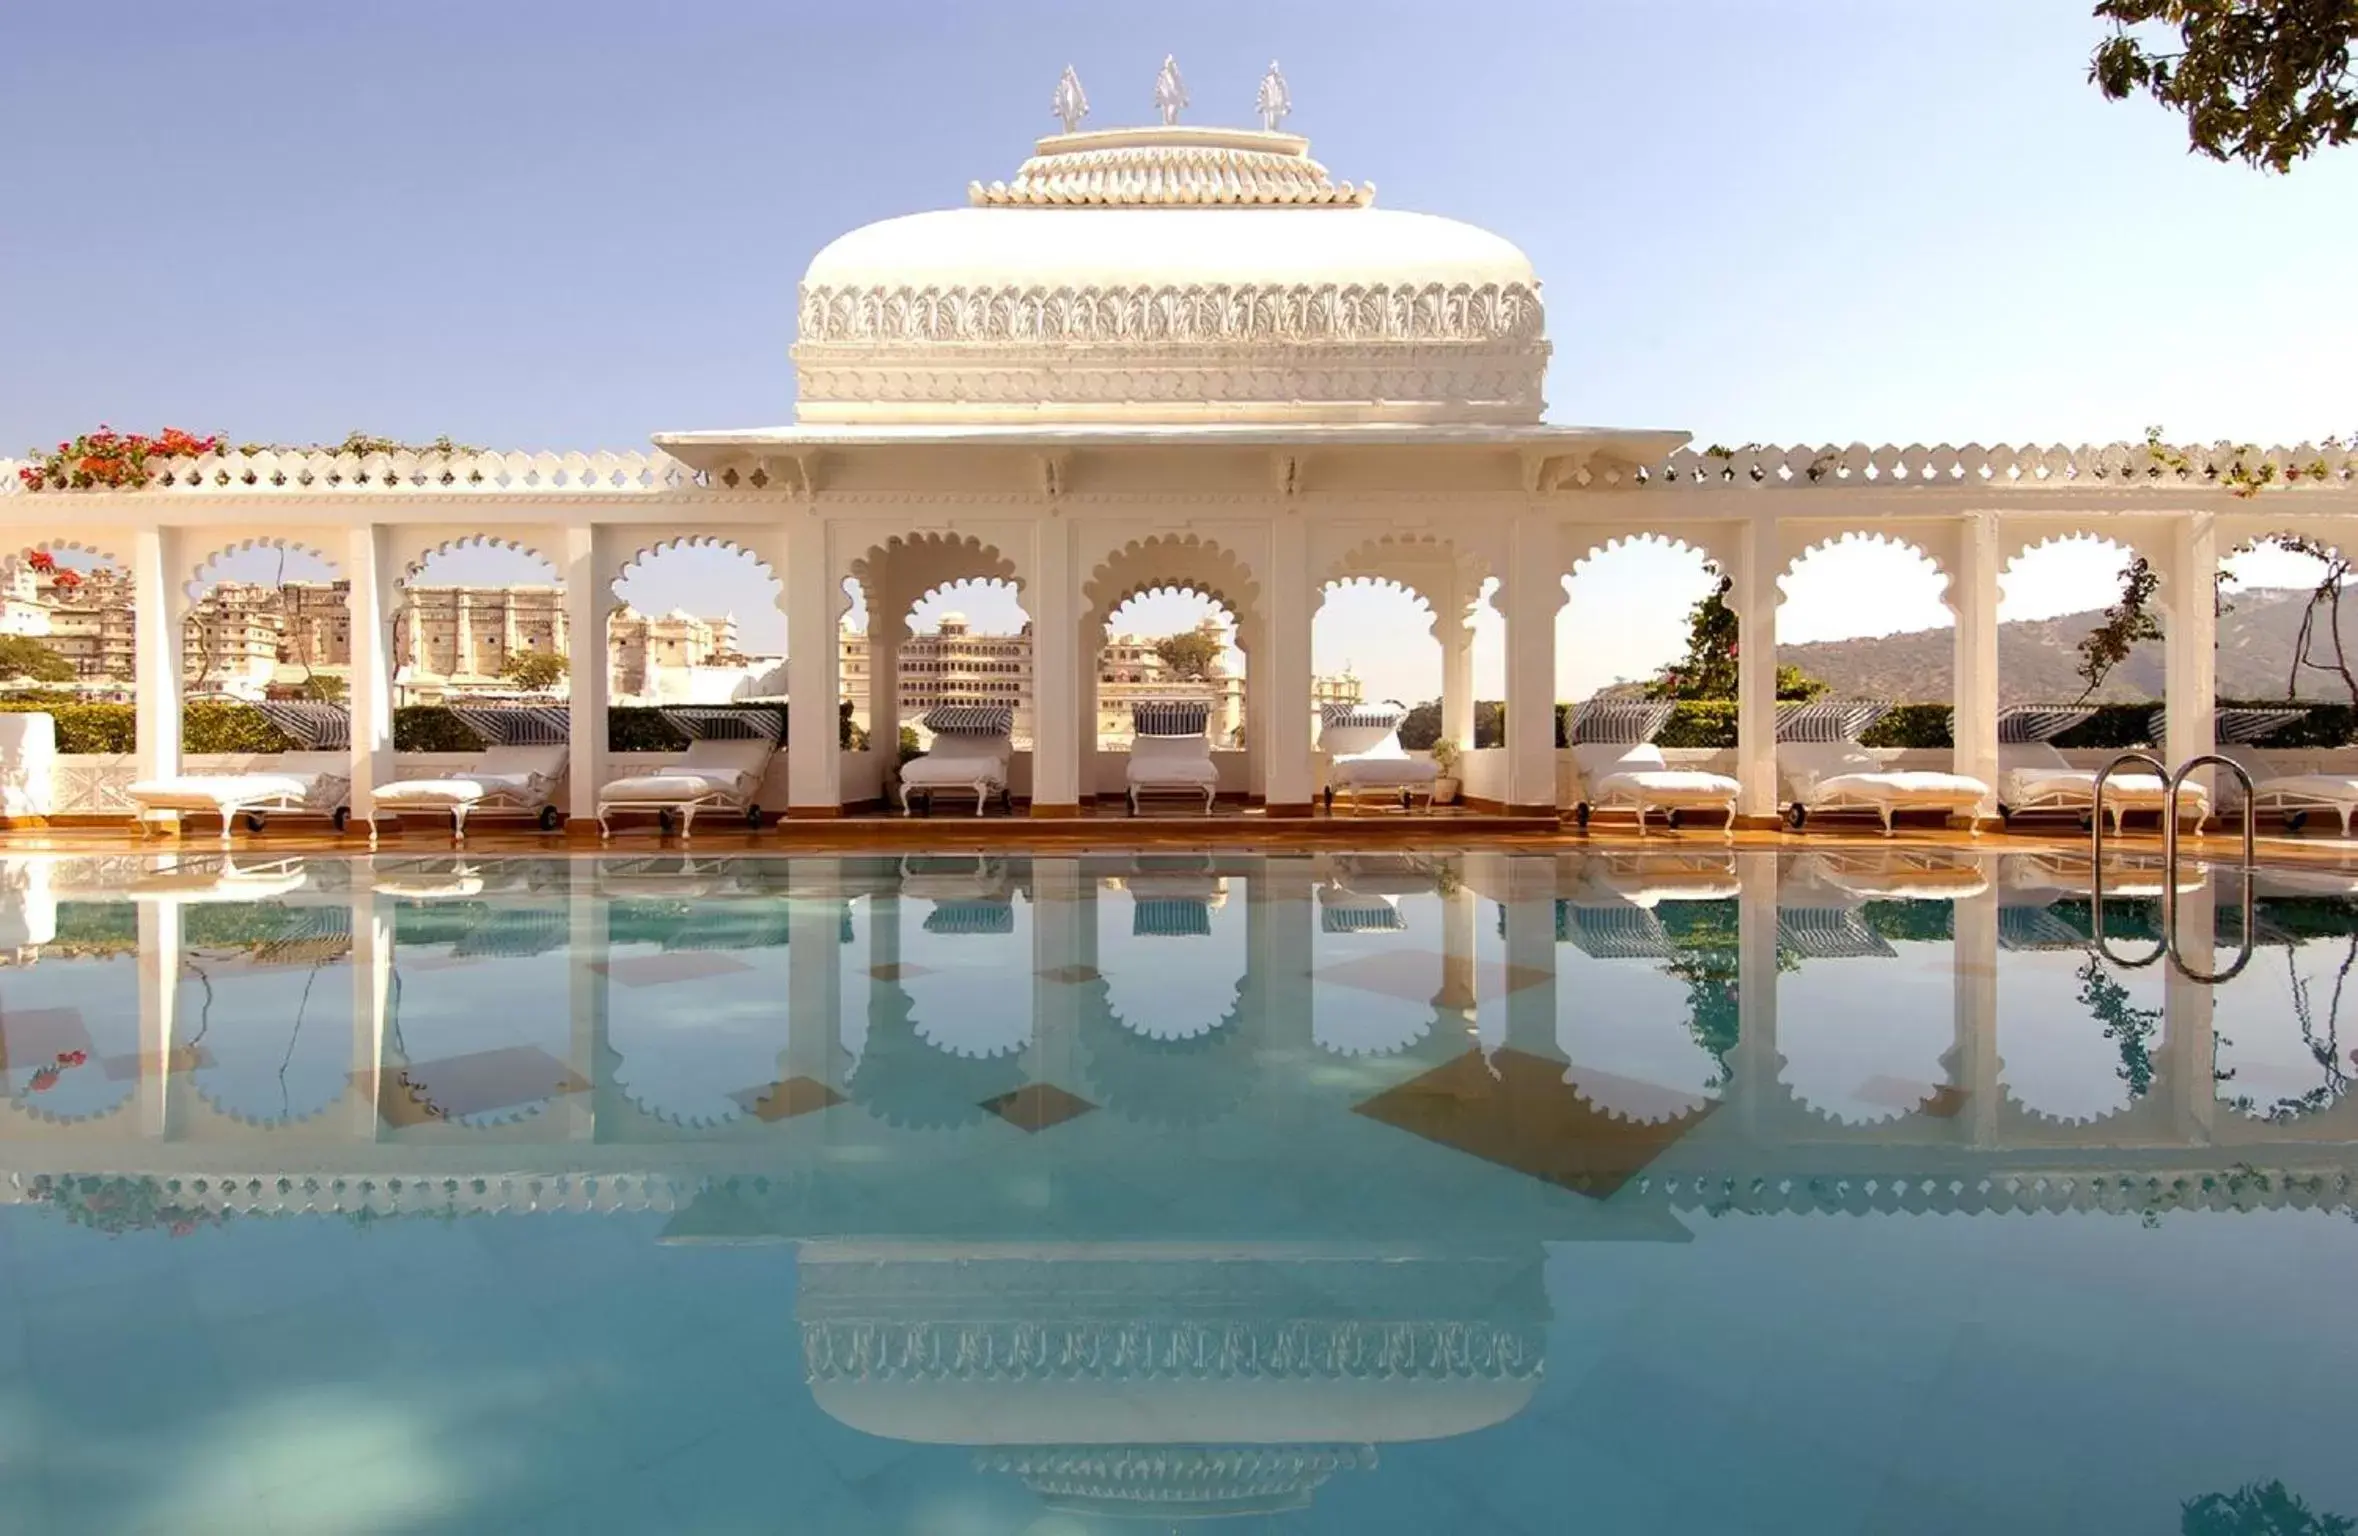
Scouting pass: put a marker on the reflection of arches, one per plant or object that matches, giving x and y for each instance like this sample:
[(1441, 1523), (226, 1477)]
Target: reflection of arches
[(1187, 1080)]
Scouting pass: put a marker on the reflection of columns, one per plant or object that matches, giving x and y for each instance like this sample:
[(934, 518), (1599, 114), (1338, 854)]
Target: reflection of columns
[(814, 646), (814, 975), (2190, 640), (1754, 597), (1054, 598), (1755, 1065), (372, 1006), (1973, 597), (589, 942), (1531, 952), (157, 642), (586, 602), (159, 1009), (1457, 677), (2189, 1040), (1278, 927), (1533, 593), (1064, 947), (369, 602), (1458, 994), (1286, 777), (1974, 1059)]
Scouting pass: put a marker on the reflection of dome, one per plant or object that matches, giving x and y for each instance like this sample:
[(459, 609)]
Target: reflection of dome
[(1178, 1386), (1170, 273)]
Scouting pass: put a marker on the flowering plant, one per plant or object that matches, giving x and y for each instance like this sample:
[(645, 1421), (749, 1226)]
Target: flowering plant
[(111, 460)]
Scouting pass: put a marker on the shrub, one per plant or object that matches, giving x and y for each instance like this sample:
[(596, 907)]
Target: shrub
[(1700, 723), (1912, 725)]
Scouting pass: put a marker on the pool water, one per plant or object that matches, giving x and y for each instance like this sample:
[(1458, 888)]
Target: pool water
[(1859, 1190)]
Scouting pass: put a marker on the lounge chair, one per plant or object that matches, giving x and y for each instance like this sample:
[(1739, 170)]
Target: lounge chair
[(1622, 769), (524, 756), (314, 781), (729, 752), (1362, 743), (2294, 796), (2035, 779), (1171, 752), (1827, 772), (972, 744)]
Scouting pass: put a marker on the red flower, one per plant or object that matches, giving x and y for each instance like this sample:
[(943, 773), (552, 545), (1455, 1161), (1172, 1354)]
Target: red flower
[(72, 1058), (44, 1080)]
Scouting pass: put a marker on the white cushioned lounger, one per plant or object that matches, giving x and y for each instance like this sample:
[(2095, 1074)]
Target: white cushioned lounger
[(2034, 778), (315, 783), (1362, 743), (972, 746), (2291, 795), (1171, 753), (503, 779), (1840, 776), (712, 775), (1638, 778)]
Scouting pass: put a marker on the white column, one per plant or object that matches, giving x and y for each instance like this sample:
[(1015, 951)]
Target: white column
[(2190, 643), (1457, 676), (1089, 655), (1754, 597), (814, 763), (370, 598), (1293, 599), (884, 685), (587, 598), (1973, 597), (1533, 592), (1054, 599), (156, 601)]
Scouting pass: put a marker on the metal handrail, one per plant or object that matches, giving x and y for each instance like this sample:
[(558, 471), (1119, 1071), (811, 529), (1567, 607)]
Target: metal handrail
[(2170, 868), (2161, 770)]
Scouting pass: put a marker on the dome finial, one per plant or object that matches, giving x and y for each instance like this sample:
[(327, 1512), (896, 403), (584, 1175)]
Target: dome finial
[(1170, 92), (1274, 102), (1071, 103)]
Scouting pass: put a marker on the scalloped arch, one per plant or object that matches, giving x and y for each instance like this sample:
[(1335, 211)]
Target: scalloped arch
[(707, 541), (1614, 543), (414, 563), (1172, 562), (1867, 538), (75, 545), (906, 569), (197, 565), (1394, 560)]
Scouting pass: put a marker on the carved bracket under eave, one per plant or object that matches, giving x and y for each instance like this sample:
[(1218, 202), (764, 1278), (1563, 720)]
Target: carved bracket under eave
[(1286, 473), (1055, 476)]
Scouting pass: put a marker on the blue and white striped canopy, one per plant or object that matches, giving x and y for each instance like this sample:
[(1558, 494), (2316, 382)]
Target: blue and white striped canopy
[(1828, 721), (1618, 722), (2040, 722), (1170, 917), (1170, 717), (971, 917), (311, 724), (719, 722), (1382, 716), (970, 720), (516, 725), (2234, 727)]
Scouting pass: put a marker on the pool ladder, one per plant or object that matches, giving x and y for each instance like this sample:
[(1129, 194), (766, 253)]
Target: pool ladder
[(2171, 782)]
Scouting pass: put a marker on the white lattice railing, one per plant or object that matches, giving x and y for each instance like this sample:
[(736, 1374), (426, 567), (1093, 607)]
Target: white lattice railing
[(2224, 466), (501, 473)]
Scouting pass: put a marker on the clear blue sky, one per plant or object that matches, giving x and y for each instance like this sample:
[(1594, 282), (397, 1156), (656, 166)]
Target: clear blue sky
[(533, 224)]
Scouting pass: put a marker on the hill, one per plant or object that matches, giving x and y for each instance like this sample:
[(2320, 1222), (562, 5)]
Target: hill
[(2038, 660)]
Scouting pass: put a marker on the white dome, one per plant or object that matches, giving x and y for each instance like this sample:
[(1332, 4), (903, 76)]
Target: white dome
[(1179, 275)]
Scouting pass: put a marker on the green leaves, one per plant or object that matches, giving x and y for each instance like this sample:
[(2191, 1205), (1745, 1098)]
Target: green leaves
[(2266, 82)]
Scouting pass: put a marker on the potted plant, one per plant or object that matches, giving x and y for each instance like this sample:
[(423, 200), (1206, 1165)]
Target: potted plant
[(1445, 756)]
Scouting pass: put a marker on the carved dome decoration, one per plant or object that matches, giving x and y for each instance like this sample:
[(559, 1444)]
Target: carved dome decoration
[(1171, 167), (1170, 276)]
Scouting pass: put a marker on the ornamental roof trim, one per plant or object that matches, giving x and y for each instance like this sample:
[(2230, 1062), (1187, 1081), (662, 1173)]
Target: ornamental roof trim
[(1171, 167)]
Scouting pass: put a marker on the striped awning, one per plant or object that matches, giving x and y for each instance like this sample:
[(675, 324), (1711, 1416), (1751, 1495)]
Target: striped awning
[(721, 722), (1375, 917), (515, 932), (1384, 715), (2037, 928), (1170, 917), (970, 720), (311, 724), (1174, 717), (966, 917), (2235, 727), (2040, 722), (1828, 721), (516, 725), (1829, 933), (1611, 933), (1618, 722)]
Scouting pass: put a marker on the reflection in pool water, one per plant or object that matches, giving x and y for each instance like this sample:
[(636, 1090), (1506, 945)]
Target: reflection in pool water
[(1852, 1189)]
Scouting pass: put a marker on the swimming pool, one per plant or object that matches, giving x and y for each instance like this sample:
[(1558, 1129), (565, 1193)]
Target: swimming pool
[(1855, 1190)]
